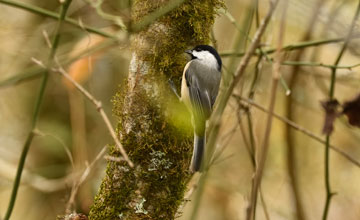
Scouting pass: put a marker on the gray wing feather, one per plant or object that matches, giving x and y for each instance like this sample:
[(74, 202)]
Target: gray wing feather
[(200, 97)]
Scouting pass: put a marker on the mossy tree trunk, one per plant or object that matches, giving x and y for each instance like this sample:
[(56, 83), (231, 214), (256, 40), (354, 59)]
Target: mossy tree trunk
[(151, 124)]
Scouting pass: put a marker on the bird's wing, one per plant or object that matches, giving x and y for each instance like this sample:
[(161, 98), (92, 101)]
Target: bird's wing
[(200, 97)]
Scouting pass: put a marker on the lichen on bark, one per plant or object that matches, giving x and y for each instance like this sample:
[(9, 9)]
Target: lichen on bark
[(151, 123)]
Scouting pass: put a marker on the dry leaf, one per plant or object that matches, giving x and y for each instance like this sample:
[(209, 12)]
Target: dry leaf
[(331, 110), (352, 110)]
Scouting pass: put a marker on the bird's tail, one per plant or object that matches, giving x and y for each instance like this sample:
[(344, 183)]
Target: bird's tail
[(198, 152)]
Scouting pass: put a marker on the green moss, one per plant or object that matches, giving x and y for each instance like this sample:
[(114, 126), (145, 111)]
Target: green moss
[(190, 25), (161, 153), (159, 144)]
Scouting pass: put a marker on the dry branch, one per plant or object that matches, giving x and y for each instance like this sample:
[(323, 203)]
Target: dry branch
[(300, 129), (100, 109)]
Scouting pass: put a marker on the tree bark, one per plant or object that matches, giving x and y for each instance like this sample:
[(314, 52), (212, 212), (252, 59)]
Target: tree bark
[(153, 126)]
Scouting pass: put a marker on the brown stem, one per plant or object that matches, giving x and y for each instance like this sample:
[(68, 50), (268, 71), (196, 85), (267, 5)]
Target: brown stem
[(303, 130), (100, 109)]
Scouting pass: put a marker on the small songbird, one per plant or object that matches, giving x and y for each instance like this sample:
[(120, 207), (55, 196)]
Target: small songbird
[(199, 89)]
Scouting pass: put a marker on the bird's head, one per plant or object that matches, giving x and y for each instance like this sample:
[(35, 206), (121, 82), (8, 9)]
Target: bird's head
[(207, 55)]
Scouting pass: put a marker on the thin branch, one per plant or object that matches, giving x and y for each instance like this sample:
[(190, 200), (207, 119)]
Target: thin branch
[(50, 14), (32, 73), (55, 43), (317, 64), (100, 109), (253, 146), (136, 27), (83, 177), (243, 40), (300, 129), (213, 38), (225, 139), (249, 146), (114, 159), (251, 96), (289, 108), (252, 150), (262, 153), (192, 187), (244, 34), (291, 47), (37, 71), (97, 5), (18, 175), (34, 180), (329, 194), (262, 197), (61, 142)]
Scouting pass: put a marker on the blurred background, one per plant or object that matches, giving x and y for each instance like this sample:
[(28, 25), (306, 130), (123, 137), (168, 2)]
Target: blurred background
[(71, 133)]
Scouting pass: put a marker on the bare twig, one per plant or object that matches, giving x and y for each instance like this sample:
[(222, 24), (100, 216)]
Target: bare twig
[(64, 146), (251, 151), (83, 177), (99, 108), (34, 73), (289, 108), (252, 148), (47, 38), (242, 40), (97, 5), (253, 144), (244, 137), (186, 199), (300, 129), (262, 153), (112, 158), (317, 64), (38, 182), (291, 47), (262, 197), (37, 71), (226, 138), (50, 14), (213, 38)]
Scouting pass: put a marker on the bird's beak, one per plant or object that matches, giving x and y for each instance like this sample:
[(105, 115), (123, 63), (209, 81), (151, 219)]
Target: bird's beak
[(188, 52)]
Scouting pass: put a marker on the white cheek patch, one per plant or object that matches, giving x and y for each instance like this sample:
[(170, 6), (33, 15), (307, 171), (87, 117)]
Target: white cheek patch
[(206, 58)]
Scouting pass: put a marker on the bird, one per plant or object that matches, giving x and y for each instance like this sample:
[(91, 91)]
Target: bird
[(199, 90)]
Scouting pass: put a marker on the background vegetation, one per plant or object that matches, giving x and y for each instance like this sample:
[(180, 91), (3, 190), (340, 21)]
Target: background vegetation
[(63, 169)]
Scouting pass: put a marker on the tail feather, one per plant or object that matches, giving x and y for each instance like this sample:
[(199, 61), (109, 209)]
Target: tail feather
[(198, 152)]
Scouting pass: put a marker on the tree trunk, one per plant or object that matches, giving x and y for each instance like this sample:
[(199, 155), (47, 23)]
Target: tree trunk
[(154, 127)]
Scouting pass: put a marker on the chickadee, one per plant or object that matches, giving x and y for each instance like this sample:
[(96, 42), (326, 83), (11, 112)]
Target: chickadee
[(199, 89)]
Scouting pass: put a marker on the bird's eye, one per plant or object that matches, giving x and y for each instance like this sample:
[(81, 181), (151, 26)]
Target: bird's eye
[(197, 49)]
